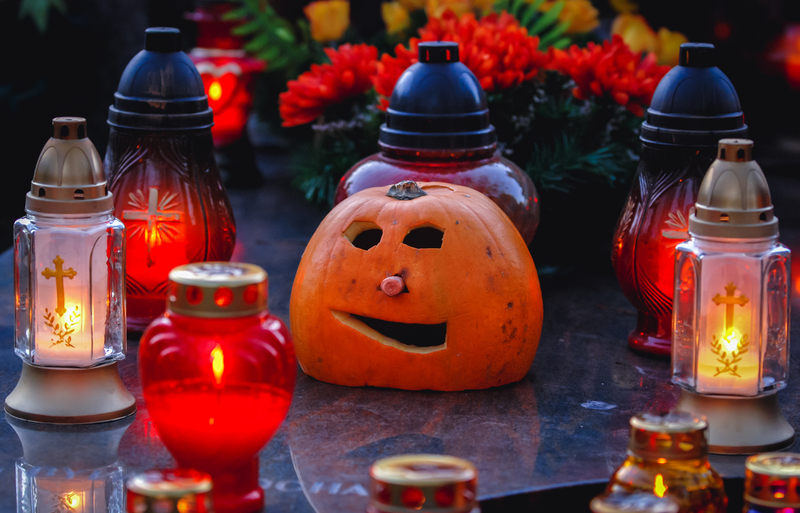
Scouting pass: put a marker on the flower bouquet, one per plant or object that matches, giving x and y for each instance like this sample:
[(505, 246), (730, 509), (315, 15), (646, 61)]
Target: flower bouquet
[(566, 106)]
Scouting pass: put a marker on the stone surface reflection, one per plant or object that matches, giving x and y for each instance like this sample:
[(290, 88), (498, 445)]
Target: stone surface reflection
[(64, 469)]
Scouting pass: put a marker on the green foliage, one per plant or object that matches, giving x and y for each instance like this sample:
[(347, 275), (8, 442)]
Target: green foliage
[(566, 163), (337, 147), (285, 47), (551, 32), (39, 11)]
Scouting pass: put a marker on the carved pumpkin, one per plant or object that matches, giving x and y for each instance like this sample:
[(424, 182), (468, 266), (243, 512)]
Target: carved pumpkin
[(427, 287)]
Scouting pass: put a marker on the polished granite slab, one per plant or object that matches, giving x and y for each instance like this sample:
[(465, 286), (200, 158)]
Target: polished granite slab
[(566, 423)]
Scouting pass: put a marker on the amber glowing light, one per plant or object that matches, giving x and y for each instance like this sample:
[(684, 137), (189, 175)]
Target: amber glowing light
[(218, 388), (214, 91), (659, 489)]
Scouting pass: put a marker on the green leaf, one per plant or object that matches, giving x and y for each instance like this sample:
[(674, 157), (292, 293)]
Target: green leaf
[(236, 14), (248, 28), (39, 11), (548, 18), (285, 34), (553, 34), (516, 6), (562, 43)]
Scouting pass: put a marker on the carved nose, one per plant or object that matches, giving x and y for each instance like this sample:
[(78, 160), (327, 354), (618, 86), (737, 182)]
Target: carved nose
[(393, 285)]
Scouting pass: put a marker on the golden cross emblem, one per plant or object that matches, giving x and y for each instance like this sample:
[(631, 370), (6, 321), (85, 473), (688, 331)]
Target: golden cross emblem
[(730, 301), (156, 214), (59, 274)]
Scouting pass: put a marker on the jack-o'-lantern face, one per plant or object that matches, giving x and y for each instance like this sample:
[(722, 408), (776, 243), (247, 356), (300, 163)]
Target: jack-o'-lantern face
[(423, 288)]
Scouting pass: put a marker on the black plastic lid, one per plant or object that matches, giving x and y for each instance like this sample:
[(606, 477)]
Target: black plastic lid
[(695, 104), (438, 104), (160, 88)]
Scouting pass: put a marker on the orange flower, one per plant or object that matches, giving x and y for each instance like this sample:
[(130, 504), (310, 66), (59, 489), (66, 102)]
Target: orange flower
[(495, 48), (610, 70), (580, 14), (437, 8), (669, 46), (395, 16), (329, 19), (636, 32), (348, 75)]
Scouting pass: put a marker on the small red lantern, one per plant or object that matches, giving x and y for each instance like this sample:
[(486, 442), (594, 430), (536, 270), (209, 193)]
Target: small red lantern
[(226, 70), (218, 376)]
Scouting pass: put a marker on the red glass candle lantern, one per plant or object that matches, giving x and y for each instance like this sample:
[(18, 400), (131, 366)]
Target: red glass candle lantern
[(694, 106), (161, 168), (227, 72), (437, 130), (218, 375), (183, 490)]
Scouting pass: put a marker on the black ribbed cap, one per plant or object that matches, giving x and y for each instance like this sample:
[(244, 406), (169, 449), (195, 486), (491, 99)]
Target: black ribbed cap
[(695, 104), (160, 88), (438, 103)]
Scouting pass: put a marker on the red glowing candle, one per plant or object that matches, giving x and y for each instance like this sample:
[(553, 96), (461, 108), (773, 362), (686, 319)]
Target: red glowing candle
[(218, 375), (227, 72)]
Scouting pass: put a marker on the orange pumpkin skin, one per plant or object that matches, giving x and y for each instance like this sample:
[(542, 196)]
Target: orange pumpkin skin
[(481, 282)]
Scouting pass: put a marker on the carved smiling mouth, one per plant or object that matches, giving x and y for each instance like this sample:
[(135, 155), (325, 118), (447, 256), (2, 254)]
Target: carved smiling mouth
[(411, 338)]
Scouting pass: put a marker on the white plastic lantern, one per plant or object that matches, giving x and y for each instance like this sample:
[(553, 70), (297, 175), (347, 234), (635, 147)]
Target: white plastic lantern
[(731, 308), (69, 281)]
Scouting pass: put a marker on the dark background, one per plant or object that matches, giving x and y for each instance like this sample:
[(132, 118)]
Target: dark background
[(73, 68)]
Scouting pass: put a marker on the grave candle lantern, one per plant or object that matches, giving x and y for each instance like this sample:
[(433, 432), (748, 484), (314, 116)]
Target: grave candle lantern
[(69, 264), (772, 483), (218, 375), (64, 471), (437, 130), (693, 107), (730, 347), (228, 73), (161, 169)]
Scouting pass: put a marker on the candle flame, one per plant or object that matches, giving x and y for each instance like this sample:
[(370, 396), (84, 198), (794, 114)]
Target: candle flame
[(217, 364), (215, 91), (731, 342), (659, 489), (72, 499)]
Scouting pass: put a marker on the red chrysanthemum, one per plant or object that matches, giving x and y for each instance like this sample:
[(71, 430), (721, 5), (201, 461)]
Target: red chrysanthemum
[(495, 48), (611, 70), (349, 74)]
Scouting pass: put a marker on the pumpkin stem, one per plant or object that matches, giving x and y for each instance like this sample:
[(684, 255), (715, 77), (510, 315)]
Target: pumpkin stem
[(406, 190)]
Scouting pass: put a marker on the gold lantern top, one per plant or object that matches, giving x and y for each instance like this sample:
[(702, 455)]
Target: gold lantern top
[(69, 176), (217, 290), (734, 200), (772, 480), (435, 483), (669, 436)]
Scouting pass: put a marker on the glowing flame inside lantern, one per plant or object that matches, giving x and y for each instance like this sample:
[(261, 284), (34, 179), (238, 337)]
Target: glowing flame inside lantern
[(215, 91), (659, 489), (217, 364), (731, 342), (73, 500)]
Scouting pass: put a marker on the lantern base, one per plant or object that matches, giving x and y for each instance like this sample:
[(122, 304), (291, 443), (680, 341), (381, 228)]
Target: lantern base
[(652, 335), (70, 396), (740, 425)]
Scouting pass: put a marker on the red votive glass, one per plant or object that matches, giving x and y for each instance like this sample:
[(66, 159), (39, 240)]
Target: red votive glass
[(218, 374), (437, 130)]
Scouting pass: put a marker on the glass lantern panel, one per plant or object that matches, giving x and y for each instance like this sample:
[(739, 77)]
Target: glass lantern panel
[(777, 278), (23, 250), (48, 489), (684, 316), (75, 304), (729, 324)]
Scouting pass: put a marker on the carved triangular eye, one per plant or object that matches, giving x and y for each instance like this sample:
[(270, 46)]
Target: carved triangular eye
[(425, 237), (363, 234)]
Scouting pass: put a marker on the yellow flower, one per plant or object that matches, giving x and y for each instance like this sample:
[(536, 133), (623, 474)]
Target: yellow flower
[(624, 6), (580, 14), (435, 8), (413, 5), (636, 32), (395, 16), (329, 19), (669, 46), (483, 5)]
